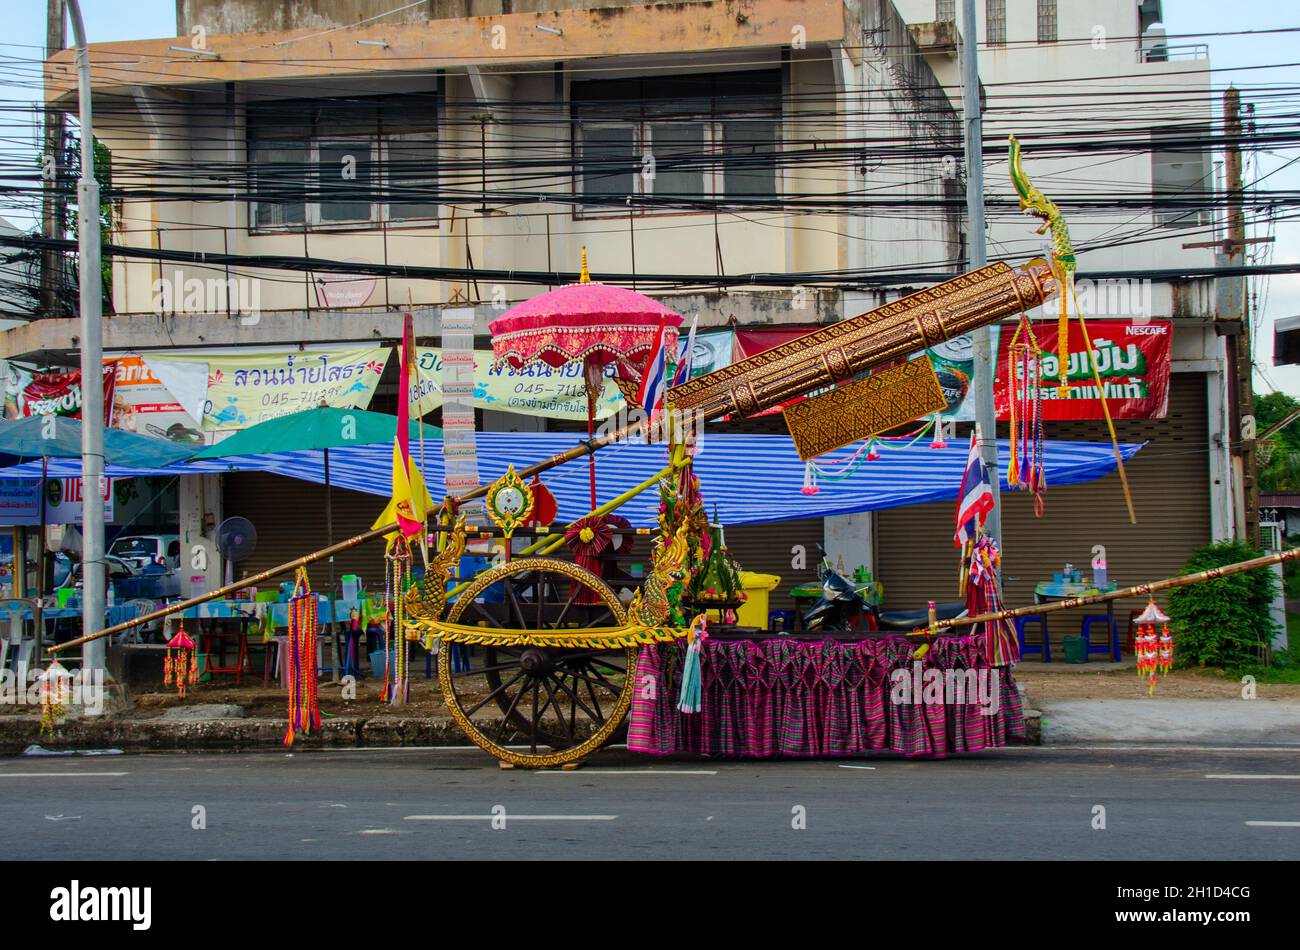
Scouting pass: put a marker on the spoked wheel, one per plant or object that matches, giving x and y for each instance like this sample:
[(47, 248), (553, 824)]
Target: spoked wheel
[(555, 704)]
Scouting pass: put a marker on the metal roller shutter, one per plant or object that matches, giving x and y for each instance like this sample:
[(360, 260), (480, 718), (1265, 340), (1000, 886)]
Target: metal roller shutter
[(1169, 478), (289, 516), (770, 549)]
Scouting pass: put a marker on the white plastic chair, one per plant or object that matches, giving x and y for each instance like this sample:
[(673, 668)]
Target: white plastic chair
[(20, 633), (139, 634)]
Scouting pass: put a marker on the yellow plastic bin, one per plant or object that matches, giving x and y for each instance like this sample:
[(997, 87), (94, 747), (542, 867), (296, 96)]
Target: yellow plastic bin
[(753, 612)]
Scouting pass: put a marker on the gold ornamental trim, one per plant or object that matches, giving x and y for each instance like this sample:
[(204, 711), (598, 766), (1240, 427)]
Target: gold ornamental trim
[(607, 638)]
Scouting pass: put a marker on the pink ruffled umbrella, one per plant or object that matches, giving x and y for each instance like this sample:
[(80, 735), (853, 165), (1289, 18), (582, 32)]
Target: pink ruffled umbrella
[(589, 323)]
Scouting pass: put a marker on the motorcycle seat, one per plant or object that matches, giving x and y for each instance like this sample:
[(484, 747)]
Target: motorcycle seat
[(908, 620)]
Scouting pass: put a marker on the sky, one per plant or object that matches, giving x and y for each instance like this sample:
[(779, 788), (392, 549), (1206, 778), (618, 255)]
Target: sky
[(1274, 297)]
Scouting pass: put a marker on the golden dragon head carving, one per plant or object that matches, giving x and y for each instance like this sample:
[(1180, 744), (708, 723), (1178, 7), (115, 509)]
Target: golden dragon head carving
[(427, 598)]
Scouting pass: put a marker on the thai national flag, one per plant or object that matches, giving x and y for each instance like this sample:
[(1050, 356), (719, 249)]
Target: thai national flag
[(975, 499), (655, 378), (686, 358)]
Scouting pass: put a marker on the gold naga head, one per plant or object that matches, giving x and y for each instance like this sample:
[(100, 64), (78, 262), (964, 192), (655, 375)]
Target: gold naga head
[(1032, 201)]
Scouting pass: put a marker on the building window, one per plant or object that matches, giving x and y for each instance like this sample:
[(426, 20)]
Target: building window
[(1047, 21), (335, 163), (1181, 178), (995, 18), (669, 142), (945, 9)]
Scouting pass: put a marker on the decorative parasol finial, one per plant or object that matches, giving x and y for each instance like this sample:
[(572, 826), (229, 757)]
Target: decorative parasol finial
[(584, 277)]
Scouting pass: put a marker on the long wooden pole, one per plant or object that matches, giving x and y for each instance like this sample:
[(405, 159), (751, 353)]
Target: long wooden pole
[(1138, 590), (578, 451)]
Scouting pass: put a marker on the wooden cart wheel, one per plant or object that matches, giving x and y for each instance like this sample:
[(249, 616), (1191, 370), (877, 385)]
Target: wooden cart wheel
[(560, 703)]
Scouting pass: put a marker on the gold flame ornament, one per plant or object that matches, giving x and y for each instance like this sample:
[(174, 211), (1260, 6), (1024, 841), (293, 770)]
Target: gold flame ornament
[(509, 502)]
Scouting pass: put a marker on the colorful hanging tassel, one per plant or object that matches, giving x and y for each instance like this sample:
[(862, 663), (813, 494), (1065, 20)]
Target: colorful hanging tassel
[(809, 479), (1026, 469), (397, 683), (938, 441), (689, 696), (181, 663), (304, 702)]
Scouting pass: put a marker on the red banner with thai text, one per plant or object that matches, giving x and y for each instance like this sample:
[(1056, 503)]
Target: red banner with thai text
[(59, 394), (1134, 359)]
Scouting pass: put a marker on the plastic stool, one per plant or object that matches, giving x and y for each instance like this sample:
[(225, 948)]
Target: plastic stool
[(1085, 628), (1045, 648), (459, 659)]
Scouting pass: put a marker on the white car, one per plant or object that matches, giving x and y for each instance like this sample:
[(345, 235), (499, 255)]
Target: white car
[(142, 550)]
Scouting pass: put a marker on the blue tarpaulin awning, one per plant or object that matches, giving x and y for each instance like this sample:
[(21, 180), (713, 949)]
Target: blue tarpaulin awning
[(748, 478)]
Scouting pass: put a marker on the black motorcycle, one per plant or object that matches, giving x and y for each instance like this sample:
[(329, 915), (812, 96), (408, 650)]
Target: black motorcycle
[(844, 606)]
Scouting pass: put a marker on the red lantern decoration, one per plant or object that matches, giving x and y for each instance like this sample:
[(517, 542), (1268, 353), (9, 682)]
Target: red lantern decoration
[(1155, 652), (181, 664)]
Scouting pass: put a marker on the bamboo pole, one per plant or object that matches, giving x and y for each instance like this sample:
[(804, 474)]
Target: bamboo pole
[(1139, 590)]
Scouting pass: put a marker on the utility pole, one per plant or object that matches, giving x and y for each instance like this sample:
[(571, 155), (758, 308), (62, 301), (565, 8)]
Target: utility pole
[(52, 200), (977, 255), (90, 289), (1233, 323)]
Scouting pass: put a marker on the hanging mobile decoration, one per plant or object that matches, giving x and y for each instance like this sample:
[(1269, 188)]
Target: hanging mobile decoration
[(304, 703), (813, 470), (1027, 468), (1155, 652), (397, 683), (181, 664), (55, 690)]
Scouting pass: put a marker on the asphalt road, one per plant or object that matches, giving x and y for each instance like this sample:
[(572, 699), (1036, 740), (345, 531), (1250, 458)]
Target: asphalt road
[(452, 803)]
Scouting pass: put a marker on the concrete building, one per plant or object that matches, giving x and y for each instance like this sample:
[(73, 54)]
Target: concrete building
[(532, 122)]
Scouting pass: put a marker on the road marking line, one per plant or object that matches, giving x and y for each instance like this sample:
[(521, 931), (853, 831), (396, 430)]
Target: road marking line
[(1266, 778), (509, 817), (871, 768), (59, 774), (1273, 824)]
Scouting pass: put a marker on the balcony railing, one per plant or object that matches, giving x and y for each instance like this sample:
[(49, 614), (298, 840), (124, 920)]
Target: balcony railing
[(1158, 52)]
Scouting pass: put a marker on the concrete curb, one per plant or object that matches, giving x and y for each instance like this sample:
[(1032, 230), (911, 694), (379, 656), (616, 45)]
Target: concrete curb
[(224, 735), (241, 735)]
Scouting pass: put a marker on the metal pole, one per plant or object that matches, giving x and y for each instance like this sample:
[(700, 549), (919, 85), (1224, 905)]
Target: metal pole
[(977, 255), (90, 290)]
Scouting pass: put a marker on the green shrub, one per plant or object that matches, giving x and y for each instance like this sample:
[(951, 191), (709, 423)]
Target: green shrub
[(1221, 622)]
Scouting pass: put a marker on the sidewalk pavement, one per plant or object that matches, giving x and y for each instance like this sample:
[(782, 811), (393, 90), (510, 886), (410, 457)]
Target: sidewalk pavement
[(1222, 722)]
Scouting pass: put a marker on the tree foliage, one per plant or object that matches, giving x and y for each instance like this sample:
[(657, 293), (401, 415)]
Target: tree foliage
[(1279, 455), (1222, 622)]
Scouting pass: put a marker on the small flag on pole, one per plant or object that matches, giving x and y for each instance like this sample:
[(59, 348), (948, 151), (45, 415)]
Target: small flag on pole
[(975, 499)]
